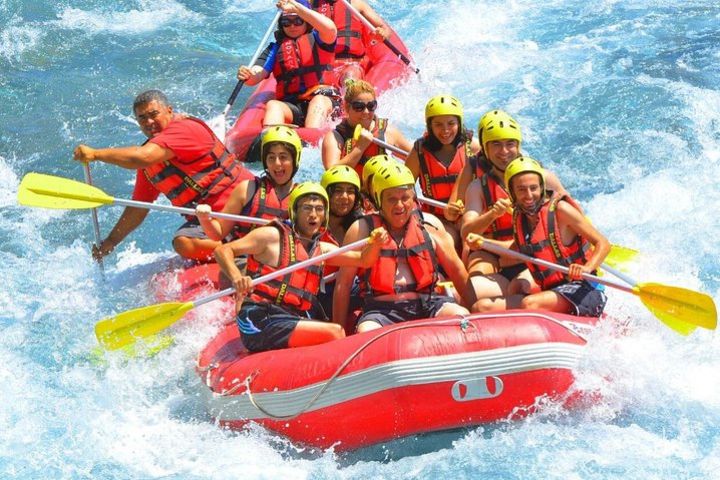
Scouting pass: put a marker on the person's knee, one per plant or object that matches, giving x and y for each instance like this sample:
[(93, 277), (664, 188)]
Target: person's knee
[(531, 302), (335, 331), (193, 248), (451, 309), (483, 305)]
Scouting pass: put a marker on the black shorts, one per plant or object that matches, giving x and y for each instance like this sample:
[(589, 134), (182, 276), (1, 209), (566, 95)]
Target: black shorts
[(587, 300), (512, 271), (387, 313), (299, 107), (264, 326)]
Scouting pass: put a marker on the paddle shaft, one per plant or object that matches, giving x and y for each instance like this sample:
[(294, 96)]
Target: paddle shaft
[(95, 222), (387, 42), (189, 211), (497, 249), (285, 271), (254, 58)]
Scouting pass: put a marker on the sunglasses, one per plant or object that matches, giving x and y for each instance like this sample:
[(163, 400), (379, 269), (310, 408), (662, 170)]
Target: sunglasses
[(287, 21), (359, 106)]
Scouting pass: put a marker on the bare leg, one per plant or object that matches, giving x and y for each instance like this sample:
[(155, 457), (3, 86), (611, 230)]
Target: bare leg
[(195, 248), (276, 113), (318, 111), (483, 262), (367, 326), (309, 332), (547, 300)]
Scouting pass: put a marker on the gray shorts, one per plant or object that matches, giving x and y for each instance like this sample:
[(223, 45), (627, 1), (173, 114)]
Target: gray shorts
[(587, 300), (190, 229)]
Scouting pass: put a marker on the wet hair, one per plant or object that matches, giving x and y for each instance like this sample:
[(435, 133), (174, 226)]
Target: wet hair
[(432, 143), (354, 87), (150, 96)]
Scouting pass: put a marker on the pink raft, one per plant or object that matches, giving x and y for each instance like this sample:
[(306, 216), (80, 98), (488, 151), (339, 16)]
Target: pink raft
[(385, 70)]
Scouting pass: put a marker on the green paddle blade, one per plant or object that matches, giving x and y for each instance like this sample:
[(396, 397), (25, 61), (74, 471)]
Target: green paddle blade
[(48, 191), (620, 255), (123, 329), (679, 308)]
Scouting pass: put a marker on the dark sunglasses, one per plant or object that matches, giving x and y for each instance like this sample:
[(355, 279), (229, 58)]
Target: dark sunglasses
[(287, 21), (359, 106)]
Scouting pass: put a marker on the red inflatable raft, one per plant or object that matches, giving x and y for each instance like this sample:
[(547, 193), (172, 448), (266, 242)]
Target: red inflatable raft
[(385, 70), (409, 378)]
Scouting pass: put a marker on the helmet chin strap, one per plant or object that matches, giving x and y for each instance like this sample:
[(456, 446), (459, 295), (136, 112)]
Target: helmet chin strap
[(535, 208)]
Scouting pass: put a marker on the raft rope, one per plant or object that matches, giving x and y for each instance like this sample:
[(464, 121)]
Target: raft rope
[(453, 321), (463, 322)]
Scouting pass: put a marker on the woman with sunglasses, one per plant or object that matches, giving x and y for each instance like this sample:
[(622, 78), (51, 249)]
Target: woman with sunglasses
[(339, 146), (440, 155), (301, 61)]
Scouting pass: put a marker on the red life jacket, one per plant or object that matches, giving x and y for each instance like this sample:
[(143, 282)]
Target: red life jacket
[(295, 291), (545, 243), (327, 237), (186, 184), (436, 179), (416, 248), (349, 28), (263, 204), (301, 64), (346, 133), (502, 227)]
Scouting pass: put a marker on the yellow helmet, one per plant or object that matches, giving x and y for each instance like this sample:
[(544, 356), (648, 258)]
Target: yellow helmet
[(374, 164), (283, 134), (443, 105), (303, 189), (392, 176), (340, 174), (498, 125), (523, 165)]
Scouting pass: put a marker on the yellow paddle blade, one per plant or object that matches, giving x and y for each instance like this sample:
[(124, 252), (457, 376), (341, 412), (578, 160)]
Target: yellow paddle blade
[(48, 191), (148, 348), (123, 329), (679, 308), (620, 255)]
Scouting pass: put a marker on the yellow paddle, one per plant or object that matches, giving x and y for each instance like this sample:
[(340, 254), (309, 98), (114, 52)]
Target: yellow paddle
[(48, 191), (123, 329), (679, 308)]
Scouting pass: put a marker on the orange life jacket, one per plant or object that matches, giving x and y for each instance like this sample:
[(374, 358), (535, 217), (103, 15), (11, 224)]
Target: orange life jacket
[(346, 133), (545, 243), (436, 179), (301, 64), (186, 184), (263, 204), (502, 227), (349, 28), (327, 237), (416, 248), (295, 291)]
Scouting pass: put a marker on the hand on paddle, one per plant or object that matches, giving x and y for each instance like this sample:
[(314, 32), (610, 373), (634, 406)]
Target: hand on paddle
[(381, 33), (501, 207), (364, 137), (243, 286), (474, 241), (83, 153), (454, 210), (378, 236)]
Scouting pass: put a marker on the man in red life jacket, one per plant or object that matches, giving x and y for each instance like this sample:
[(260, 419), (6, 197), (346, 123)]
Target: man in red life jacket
[(261, 197), (182, 159), (488, 211), (400, 285), (302, 61), (549, 226), (276, 314), (350, 60)]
